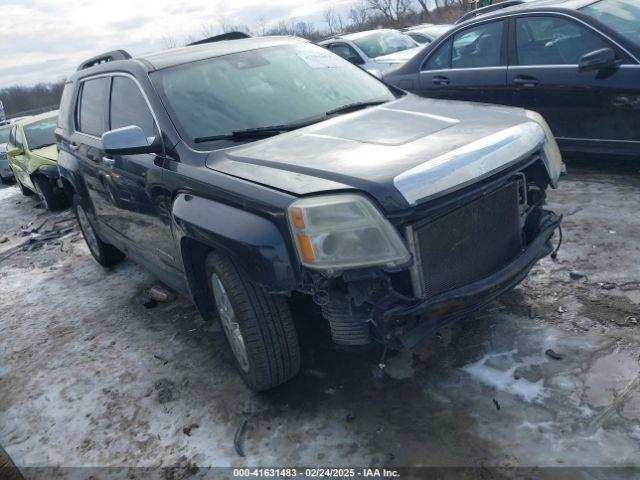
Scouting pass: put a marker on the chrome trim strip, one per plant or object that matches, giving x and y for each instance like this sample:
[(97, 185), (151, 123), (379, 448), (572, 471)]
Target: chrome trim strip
[(599, 140), (470, 163)]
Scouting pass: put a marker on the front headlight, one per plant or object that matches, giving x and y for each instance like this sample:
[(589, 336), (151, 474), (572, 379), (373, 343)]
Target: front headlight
[(344, 231), (553, 157)]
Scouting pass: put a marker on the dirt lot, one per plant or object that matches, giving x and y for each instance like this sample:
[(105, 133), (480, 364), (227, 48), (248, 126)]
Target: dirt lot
[(90, 376)]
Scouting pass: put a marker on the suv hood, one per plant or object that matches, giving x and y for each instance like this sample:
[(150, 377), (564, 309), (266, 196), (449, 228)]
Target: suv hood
[(402, 153)]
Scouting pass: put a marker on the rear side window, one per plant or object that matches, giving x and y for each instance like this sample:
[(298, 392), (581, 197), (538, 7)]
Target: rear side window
[(129, 107), (478, 47), (65, 105), (553, 41), (91, 111)]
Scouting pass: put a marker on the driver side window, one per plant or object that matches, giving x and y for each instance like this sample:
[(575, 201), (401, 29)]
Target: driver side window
[(553, 41)]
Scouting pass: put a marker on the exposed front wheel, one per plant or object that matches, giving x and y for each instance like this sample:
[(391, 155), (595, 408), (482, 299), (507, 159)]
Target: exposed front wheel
[(50, 197), (105, 254), (258, 326), (24, 190)]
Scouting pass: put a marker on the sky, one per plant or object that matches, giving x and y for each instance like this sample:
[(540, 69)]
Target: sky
[(45, 40)]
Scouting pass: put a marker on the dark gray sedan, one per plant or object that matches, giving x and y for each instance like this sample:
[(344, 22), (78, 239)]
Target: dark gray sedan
[(576, 62)]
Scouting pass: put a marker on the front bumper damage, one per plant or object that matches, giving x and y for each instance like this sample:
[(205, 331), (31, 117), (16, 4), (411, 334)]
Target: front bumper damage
[(366, 307), (404, 321)]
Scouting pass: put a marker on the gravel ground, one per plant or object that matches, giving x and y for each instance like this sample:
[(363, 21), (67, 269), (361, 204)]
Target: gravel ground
[(91, 377)]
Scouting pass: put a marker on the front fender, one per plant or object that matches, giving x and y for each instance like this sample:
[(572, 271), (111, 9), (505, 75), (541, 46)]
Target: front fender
[(253, 242)]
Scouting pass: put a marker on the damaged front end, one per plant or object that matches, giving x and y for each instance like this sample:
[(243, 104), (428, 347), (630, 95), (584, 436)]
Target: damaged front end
[(475, 227)]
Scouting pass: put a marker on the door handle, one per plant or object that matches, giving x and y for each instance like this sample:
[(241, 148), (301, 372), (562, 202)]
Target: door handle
[(108, 161), (525, 81), (440, 80)]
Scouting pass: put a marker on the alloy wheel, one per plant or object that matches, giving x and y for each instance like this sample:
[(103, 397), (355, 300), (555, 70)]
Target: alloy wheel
[(230, 323)]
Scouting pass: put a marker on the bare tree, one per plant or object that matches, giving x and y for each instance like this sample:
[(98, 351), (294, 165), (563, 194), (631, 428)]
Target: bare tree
[(359, 14), (393, 10), (333, 21)]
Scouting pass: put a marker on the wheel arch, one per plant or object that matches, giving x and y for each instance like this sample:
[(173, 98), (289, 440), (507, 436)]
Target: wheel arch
[(252, 242)]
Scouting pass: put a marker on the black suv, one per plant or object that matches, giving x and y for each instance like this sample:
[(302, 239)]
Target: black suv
[(245, 173)]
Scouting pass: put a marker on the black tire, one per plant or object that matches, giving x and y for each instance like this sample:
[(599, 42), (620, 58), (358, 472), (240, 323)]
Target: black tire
[(105, 254), (265, 323), (49, 195), (8, 469), (25, 191)]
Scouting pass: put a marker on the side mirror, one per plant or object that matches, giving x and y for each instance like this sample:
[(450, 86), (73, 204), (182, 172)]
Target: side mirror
[(129, 140), (598, 60), (14, 152)]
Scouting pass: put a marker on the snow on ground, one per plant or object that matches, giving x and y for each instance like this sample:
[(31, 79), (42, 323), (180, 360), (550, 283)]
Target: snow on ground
[(90, 377)]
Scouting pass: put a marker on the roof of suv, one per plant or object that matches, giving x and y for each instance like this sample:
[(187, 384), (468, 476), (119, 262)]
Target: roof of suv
[(535, 5)]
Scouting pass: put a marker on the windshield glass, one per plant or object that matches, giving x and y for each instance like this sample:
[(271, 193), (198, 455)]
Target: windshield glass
[(384, 42), (272, 86), (41, 133), (623, 16), (4, 134)]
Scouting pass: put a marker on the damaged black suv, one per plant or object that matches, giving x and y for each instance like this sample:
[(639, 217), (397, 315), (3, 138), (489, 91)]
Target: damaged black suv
[(244, 173)]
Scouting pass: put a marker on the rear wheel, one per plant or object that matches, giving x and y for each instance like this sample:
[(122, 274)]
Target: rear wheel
[(258, 326), (105, 254), (49, 195)]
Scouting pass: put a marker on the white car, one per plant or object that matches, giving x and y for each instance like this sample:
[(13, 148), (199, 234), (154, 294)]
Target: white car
[(425, 34), (374, 50)]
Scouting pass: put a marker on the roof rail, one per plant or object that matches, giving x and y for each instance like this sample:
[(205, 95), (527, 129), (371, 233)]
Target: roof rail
[(489, 8), (104, 58), (221, 37)]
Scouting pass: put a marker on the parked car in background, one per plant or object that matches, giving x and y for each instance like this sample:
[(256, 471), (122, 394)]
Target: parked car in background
[(425, 34), (266, 169), (33, 158), (6, 175), (575, 62), (374, 50)]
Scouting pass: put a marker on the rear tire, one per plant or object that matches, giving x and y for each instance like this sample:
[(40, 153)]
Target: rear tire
[(105, 254), (259, 322), (50, 197), (8, 469)]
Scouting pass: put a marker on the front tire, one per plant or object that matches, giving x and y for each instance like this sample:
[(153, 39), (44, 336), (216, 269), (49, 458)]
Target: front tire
[(51, 199), (24, 190), (258, 326), (105, 254)]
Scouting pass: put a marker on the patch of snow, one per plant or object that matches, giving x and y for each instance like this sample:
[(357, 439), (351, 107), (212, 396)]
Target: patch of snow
[(504, 381)]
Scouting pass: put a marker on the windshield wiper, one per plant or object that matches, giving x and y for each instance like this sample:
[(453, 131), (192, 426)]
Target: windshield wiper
[(352, 107), (264, 132), (259, 132)]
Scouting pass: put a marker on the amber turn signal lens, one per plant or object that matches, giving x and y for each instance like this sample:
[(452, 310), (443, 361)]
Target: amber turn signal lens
[(296, 218), (305, 247)]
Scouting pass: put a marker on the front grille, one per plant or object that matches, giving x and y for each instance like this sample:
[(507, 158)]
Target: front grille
[(469, 243)]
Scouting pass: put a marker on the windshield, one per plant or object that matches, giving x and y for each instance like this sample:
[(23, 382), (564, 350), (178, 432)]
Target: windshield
[(41, 133), (384, 42), (274, 86), (4, 134), (623, 16)]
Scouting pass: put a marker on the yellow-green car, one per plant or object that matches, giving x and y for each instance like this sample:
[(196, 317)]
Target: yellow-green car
[(33, 158)]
